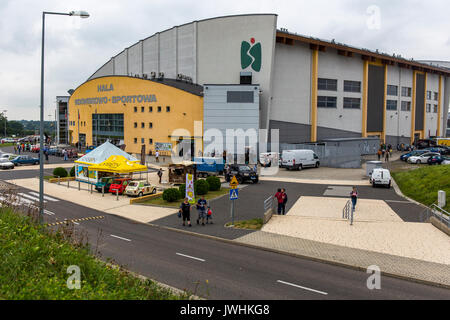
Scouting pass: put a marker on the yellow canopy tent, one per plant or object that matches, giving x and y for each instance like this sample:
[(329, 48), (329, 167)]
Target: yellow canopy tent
[(118, 164)]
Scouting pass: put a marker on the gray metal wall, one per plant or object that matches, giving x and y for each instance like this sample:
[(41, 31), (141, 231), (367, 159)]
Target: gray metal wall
[(420, 101), (375, 99)]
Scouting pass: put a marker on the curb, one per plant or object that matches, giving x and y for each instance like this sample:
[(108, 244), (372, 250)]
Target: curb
[(399, 193)]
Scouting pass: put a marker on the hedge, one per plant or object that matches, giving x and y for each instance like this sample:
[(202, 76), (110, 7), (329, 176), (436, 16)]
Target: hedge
[(214, 183), (171, 194), (201, 187), (59, 172)]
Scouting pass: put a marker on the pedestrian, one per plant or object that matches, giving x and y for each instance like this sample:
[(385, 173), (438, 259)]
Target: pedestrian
[(160, 174), (202, 205), (285, 199), (379, 154), (386, 158), (279, 197), (185, 211), (46, 155), (209, 215), (354, 197), (15, 148), (157, 156), (19, 148), (65, 154)]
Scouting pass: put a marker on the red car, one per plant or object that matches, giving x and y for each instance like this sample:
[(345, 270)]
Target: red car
[(119, 184)]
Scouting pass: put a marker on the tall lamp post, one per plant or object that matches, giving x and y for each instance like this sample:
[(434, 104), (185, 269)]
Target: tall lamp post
[(81, 14), (4, 115)]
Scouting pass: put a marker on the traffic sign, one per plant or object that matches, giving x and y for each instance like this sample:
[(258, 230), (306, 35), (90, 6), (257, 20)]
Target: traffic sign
[(234, 183), (234, 194)]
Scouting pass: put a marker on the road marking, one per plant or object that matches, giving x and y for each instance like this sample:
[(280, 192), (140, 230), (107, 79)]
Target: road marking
[(49, 212), (45, 197), (191, 257), (304, 288), (120, 237), (397, 201), (29, 197)]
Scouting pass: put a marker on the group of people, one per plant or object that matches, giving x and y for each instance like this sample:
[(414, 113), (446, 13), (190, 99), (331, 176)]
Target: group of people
[(203, 209), (22, 147), (384, 152)]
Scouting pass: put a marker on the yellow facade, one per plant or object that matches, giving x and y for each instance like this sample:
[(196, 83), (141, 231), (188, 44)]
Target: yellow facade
[(121, 95)]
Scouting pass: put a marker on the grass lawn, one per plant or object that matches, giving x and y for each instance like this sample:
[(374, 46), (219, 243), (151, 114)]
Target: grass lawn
[(254, 224), (34, 264), (9, 144), (159, 201), (424, 183)]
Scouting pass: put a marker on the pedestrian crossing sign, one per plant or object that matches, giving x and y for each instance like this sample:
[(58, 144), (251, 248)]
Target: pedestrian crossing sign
[(234, 194)]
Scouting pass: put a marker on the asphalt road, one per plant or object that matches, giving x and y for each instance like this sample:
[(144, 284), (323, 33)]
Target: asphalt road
[(218, 270)]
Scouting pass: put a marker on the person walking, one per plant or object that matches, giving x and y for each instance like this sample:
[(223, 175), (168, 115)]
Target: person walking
[(386, 156), (202, 205), (279, 197), (354, 198), (157, 156), (379, 154), (185, 210), (46, 155), (209, 215), (15, 148), (160, 174), (19, 148), (65, 154), (285, 199)]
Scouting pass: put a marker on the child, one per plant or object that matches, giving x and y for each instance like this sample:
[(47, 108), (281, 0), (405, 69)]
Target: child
[(209, 215)]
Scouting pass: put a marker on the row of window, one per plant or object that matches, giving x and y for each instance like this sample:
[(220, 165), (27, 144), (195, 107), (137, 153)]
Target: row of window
[(435, 108), (150, 125), (332, 84), (150, 140), (150, 109)]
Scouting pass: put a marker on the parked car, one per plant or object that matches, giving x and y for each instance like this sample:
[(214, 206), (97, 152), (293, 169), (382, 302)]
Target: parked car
[(7, 155), (299, 159), (104, 183), (119, 184), (437, 159), (380, 177), (35, 148), (6, 164), (423, 158), (404, 157), (23, 160), (242, 172), (139, 189)]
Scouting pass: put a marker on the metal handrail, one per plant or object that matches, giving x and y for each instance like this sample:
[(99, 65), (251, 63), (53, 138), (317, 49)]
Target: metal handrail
[(347, 212), (268, 203), (439, 213)]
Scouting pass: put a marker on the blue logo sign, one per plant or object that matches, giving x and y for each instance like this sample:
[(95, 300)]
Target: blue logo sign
[(234, 194)]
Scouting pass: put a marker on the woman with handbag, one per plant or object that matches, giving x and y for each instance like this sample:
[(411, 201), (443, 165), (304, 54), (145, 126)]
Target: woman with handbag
[(185, 212)]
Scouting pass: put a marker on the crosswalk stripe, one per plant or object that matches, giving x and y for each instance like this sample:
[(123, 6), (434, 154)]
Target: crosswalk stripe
[(29, 197), (45, 197)]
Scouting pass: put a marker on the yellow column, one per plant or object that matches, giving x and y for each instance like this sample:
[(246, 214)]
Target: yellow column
[(425, 108), (413, 107), (438, 133), (314, 87), (364, 99), (384, 103)]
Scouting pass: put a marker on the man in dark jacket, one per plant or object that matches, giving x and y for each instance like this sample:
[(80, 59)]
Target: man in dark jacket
[(285, 199)]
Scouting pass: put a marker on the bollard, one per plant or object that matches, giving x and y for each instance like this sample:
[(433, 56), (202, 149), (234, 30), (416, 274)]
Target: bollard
[(91, 188), (103, 191), (58, 180), (79, 187), (68, 184), (117, 194)]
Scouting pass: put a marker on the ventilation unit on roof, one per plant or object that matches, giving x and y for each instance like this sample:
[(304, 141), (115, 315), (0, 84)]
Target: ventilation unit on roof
[(153, 75), (161, 75), (144, 76)]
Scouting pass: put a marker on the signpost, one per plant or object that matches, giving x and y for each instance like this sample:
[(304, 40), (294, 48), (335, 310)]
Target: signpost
[(234, 195)]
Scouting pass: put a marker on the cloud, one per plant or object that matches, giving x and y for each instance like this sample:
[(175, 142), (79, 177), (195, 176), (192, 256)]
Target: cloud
[(75, 48)]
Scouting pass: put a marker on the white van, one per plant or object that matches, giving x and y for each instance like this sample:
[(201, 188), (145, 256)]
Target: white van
[(380, 176), (299, 159)]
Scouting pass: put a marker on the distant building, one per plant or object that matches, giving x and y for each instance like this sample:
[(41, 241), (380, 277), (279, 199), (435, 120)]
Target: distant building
[(62, 116)]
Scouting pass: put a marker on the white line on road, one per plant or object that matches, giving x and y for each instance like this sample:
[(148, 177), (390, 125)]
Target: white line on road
[(120, 237), (191, 257), (29, 197), (45, 197), (304, 288), (49, 212)]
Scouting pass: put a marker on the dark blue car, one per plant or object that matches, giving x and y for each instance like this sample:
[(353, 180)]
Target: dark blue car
[(404, 157), (22, 160)]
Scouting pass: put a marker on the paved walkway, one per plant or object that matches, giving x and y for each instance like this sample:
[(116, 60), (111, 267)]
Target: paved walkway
[(390, 264)]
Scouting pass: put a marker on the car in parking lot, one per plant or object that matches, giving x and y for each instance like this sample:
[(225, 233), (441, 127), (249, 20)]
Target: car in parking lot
[(6, 164), (380, 176), (104, 183), (24, 160), (242, 172), (405, 156), (119, 184), (437, 159), (423, 158), (139, 188), (8, 155)]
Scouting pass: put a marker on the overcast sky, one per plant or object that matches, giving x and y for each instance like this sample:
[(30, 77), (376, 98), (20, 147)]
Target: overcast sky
[(76, 48)]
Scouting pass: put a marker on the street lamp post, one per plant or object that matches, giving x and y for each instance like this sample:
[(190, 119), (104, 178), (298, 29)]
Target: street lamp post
[(81, 14), (4, 115)]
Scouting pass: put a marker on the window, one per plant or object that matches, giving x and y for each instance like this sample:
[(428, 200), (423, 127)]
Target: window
[(436, 96), (135, 140), (352, 103), (150, 141), (326, 102), (159, 108), (428, 107), (135, 109), (167, 109), (135, 124), (240, 97), (142, 125), (142, 140), (435, 108), (327, 84), (142, 109), (406, 106), (150, 125), (150, 109), (391, 105), (406, 92), (352, 86), (428, 95), (392, 90)]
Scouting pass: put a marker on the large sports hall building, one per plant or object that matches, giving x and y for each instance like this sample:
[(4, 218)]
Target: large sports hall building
[(243, 72)]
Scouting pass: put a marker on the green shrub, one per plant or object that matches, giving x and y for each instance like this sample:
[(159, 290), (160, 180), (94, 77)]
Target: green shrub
[(59, 172), (171, 194), (214, 183), (201, 187), (182, 189), (72, 172)]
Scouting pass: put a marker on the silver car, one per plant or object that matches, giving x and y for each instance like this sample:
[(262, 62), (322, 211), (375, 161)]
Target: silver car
[(6, 164)]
